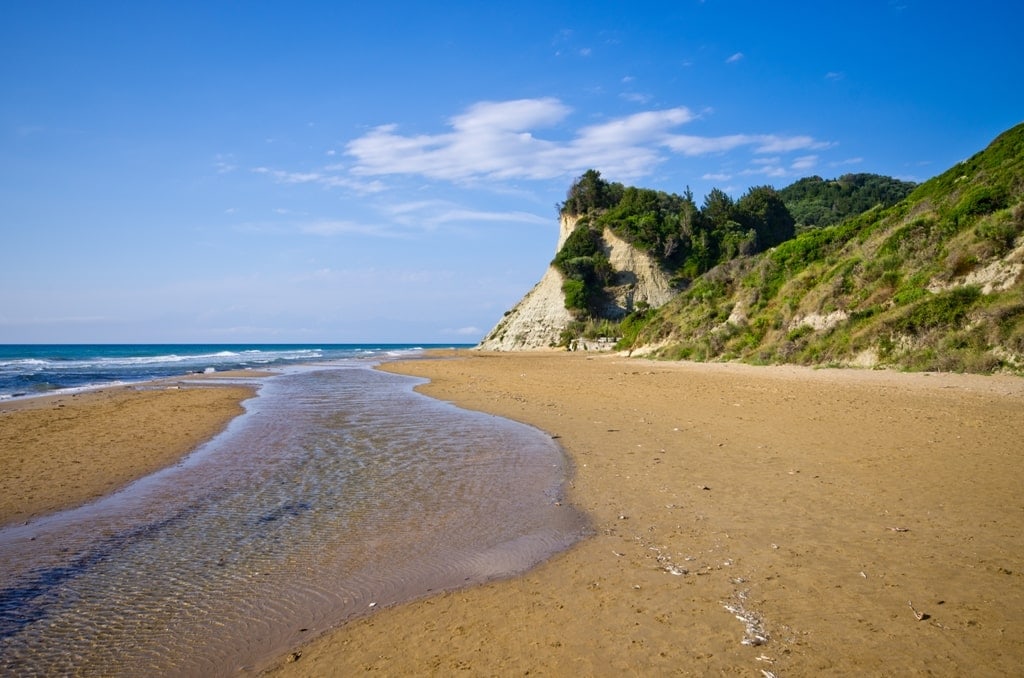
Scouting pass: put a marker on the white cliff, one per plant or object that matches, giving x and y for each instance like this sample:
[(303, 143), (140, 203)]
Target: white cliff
[(540, 318), (639, 279)]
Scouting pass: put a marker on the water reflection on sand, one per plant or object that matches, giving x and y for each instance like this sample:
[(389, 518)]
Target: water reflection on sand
[(339, 491)]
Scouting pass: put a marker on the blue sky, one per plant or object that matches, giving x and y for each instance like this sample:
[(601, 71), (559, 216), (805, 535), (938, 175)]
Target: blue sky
[(389, 171)]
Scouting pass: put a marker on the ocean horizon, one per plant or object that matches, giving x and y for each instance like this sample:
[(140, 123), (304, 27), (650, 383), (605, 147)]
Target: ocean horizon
[(39, 369)]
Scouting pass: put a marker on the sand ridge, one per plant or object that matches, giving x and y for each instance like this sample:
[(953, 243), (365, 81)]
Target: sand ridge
[(747, 520)]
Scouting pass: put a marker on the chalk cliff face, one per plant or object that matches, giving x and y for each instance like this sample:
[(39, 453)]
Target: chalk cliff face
[(539, 319), (639, 278)]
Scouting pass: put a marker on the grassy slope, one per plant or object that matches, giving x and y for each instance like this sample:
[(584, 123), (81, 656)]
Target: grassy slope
[(932, 283)]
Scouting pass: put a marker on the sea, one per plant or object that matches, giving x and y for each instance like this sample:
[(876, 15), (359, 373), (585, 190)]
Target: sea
[(40, 369), (339, 492)]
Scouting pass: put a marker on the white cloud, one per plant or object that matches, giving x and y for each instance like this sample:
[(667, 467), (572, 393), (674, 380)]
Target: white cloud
[(529, 139), (693, 145), (408, 220), (491, 139), (327, 177), (433, 213), (224, 163), (283, 177), (455, 215), (635, 97), (738, 56), (804, 163), (847, 161), (771, 143), (635, 129), (775, 168), (355, 185), (761, 143), (494, 140)]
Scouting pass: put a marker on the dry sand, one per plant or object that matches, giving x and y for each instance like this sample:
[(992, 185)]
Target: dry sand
[(818, 506), (58, 452), (746, 520)]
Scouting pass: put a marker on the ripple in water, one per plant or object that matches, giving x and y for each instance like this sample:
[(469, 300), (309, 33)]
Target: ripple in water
[(339, 489)]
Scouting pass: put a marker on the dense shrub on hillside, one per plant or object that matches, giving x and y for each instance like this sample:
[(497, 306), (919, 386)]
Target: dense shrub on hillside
[(931, 282), (815, 202), (672, 229), (862, 269), (585, 268), (686, 240)]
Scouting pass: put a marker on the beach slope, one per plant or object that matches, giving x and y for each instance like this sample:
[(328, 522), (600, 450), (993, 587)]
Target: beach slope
[(58, 452), (746, 519)]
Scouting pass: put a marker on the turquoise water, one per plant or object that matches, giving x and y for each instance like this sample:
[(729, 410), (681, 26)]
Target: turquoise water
[(339, 492)]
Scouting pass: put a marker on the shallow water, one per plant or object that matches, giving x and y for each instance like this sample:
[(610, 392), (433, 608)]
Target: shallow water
[(339, 491)]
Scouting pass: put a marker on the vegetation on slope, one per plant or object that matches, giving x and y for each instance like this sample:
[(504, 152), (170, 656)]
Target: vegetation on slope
[(815, 202), (934, 282), (685, 240)]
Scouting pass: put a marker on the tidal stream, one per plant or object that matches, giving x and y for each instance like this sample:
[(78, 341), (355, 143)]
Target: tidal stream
[(339, 491)]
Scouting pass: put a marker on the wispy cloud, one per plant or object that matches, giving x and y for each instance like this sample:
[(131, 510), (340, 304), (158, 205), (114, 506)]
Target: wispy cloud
[(846, 161), (336, 227), (224, 163), (776, 167), (804, 163), (407, 220), (434, 213), (635, 97), (331, 176), (772, 143), (283, 177), (491, 139), (499, 140), (760, 143), (738, 56)]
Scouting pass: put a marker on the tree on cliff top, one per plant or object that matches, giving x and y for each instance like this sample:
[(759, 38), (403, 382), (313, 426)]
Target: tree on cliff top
[(591, 192)]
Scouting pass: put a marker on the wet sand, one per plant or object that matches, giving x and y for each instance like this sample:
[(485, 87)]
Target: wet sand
[(58, 452), (776, 519), (745, 519)]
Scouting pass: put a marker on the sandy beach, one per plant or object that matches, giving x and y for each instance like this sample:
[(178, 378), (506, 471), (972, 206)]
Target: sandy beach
[(61, 451), (746, 520)]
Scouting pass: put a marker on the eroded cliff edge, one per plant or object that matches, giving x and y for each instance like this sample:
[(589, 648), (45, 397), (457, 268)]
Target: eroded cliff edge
[(541, 319)]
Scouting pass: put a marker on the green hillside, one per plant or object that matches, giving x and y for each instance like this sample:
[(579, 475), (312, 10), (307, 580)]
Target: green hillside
[(815, 202), (933, 282)]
